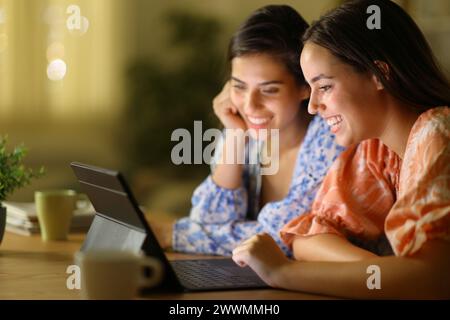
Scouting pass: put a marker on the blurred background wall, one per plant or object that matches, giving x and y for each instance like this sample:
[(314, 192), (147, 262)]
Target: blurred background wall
[(106, 82)]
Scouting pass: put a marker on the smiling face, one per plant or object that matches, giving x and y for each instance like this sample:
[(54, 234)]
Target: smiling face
[(265, 93), (350, 102)]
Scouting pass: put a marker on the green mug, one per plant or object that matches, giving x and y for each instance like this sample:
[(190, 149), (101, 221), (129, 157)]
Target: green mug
[(55, 211)]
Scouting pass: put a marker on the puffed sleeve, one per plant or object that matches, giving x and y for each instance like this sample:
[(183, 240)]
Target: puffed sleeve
[(355, 196), (214, 204), (422, 211)]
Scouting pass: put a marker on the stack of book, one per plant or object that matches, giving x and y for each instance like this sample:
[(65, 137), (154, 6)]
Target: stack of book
[(21, 218)]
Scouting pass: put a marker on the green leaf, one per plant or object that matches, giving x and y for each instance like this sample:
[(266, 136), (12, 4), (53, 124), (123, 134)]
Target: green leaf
[(13, 173)]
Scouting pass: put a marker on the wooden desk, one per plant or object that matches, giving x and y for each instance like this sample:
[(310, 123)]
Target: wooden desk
[(32, 269)]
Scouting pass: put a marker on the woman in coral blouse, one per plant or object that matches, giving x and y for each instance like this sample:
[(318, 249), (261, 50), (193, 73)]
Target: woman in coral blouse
[(371, 84)]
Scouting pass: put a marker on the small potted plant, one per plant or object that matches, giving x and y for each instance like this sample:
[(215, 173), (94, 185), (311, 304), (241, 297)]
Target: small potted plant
[(13, 175)]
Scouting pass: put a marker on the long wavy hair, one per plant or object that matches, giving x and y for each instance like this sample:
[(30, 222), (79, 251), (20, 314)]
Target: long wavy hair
[(414, 76)]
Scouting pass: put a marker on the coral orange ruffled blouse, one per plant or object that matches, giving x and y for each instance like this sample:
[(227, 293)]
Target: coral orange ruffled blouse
[(369, 192)]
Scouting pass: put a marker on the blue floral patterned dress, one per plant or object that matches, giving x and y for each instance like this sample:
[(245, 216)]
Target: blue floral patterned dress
[(221, 218)]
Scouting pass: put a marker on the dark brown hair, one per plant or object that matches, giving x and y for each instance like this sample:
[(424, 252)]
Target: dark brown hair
[(414, 76), (276, 30)]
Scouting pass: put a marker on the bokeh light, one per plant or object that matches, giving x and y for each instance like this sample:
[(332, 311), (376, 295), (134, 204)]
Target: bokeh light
[(55, 51), (56, 70)]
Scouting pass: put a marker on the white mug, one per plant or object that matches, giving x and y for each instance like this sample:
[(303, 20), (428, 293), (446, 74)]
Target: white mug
[(111, 275)]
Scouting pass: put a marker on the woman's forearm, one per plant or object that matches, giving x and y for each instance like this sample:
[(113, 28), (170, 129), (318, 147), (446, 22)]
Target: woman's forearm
[(228, 171), (228, 176), (423, 276), (328, 247)]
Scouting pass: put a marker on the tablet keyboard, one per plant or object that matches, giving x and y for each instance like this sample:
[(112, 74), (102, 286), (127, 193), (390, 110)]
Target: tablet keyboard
[(215, 273)]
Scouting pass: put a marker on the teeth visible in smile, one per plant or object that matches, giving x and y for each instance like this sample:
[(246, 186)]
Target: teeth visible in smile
[(332, 121), (258, 121)]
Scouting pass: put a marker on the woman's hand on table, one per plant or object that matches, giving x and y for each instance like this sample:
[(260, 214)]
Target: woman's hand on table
[(262, 254)]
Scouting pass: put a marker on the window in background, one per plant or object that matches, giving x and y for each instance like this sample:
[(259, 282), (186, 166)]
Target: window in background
[(61, 83), (60, 58)]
